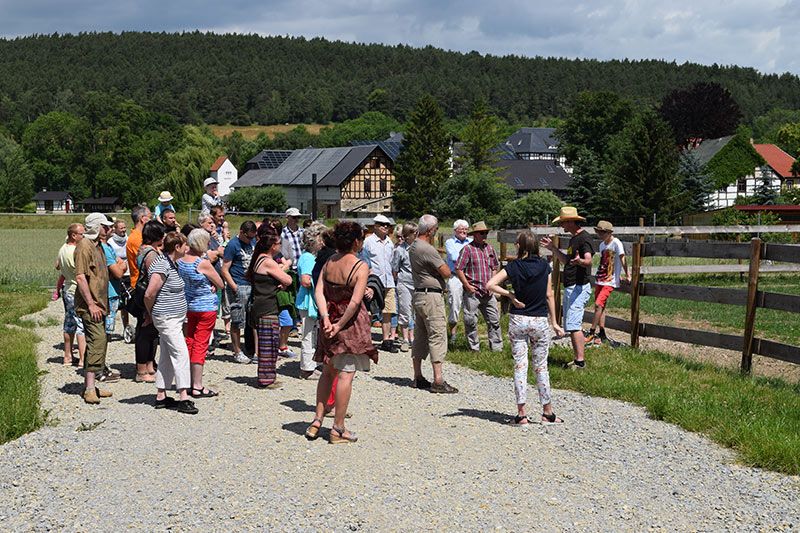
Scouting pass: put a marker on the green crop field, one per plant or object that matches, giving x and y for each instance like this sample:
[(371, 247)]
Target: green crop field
[(28, 256)]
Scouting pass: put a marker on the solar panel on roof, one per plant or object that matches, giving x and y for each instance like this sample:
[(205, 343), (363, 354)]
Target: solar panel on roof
[(517, 181), (550, 169), (544, 183)]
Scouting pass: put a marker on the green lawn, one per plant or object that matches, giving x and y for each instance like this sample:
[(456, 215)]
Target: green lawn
[(757, 417), (19, 374)]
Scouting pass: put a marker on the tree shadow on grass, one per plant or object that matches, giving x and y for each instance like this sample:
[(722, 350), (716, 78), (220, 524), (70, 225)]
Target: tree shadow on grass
[(400, 382), (491, 416)]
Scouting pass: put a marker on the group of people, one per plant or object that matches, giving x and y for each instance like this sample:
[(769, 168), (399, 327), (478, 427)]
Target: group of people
[(332, 285)]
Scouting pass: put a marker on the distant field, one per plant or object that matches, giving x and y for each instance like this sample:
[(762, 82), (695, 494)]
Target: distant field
[(28, 256), (251, 132)]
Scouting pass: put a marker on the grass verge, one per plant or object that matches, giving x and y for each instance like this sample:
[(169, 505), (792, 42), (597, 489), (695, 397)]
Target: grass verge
[(20, 411), (759, 418)]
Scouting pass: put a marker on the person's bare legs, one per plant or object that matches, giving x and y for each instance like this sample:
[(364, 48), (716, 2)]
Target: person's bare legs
[(578, 341), (197, 376), (235, 340), (81, 349), (437, 373), (417, 367), (67, 348), (323, 391), (344, 388), (598, 312), (283, 337), (386, 326)]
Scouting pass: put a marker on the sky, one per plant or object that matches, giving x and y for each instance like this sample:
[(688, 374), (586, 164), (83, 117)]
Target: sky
[(755, 33)]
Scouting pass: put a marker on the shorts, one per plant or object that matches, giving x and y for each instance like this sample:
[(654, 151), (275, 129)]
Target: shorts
[(430, 332), (224, 304), (73, 325), (285, 319), (601, 294), (238, 302), (390, 301), (575, 298), (111, 317), (347, 362)]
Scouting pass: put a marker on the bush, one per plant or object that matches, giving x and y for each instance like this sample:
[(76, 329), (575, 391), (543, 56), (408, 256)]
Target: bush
[(538, 207), (474, 195), (732, 217), (258, 199)]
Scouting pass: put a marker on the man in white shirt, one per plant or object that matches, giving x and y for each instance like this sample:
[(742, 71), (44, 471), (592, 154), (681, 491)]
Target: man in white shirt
[(211, 197), (292, 237), (455, 290), (379, 248)]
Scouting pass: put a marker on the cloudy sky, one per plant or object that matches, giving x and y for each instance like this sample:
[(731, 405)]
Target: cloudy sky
[(757, 33)]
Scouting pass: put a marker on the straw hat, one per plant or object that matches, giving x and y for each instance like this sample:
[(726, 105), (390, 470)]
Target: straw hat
[(604, 225), (165, 196), (478, 226), (567, 213)]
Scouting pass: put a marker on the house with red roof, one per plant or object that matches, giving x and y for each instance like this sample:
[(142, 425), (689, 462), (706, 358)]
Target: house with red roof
[(225, 173), (777, 171)]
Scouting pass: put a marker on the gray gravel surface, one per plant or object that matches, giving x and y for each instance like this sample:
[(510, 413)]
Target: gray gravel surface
[(424, 461)]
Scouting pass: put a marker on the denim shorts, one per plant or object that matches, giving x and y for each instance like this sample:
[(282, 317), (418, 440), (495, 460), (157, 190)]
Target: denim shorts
[(111, 317), (285, 319), (575, 299), (73, 325), (238, 301)]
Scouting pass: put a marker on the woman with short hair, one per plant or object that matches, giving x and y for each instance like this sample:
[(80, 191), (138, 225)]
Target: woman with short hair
[(307, 307), (531, 316), (346, 343), (201, 281), (146, 336), (166, 303)]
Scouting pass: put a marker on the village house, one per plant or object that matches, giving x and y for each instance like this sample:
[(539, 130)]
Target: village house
[(53, 202), (532, 144), (525, 175), (353, 179), (104, 204), (777, 172), (225, 173)]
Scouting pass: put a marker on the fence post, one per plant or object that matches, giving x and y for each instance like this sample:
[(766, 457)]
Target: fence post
[(557, 281), (636, 278), (750, 316), (503, 252)]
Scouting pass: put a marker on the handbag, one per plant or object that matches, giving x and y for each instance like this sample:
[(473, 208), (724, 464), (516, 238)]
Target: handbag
[(134, 304)]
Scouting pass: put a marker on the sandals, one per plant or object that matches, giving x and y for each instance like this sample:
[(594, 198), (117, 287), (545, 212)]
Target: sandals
[(520, 421), (338, 436), (551, 419), (312, 431), (205, 392)]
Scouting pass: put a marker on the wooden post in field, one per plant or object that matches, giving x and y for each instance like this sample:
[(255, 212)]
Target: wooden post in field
[(750, 313), (557, 281), (636, 277), (441, 242), (503, 252)]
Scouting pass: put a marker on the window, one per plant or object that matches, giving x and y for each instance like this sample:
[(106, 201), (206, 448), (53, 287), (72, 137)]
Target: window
[(367, 186), (383, 185), (374, 163), (789, 184), (741, 185)]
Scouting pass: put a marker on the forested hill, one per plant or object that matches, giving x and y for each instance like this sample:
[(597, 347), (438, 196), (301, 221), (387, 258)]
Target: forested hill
[(247, 79)]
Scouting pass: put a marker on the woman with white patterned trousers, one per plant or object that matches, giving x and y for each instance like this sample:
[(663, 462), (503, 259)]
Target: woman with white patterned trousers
[(532, 314)]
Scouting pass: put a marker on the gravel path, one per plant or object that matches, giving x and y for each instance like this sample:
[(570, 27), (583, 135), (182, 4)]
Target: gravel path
[(423, 462)]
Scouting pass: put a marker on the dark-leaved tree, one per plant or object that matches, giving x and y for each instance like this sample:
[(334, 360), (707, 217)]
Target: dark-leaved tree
[(473, 194), (423, 165), (705, 110), (481, 136)]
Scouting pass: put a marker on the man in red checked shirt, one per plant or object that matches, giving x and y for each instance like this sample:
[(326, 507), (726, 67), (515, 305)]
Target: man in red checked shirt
[(476, 264)]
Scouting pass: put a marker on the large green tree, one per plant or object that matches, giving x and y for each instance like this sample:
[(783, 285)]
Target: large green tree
[(642, 172), (695, 182), (16, 179), (423, 165), (188, 166), (481, 136), (591, 122), (477, 194)]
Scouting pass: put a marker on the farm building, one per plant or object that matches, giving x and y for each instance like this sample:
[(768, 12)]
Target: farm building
[(526, 176), (352, 179), (53, 202), (534, 144), (105, 204), (225, 173)]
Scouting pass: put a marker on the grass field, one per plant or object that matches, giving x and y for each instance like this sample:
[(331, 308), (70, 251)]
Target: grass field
[(251, 132), (19, 374)]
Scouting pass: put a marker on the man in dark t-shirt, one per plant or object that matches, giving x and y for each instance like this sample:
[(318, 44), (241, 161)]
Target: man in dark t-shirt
[(577, 269)]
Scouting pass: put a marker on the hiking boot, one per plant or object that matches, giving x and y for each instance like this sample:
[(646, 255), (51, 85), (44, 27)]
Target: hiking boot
[(421, 383), (90, 396), (186, 407), (443, 388), (241, 358), (103, 393)]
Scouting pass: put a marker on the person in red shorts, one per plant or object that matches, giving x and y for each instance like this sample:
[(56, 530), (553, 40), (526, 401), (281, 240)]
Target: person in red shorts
[(612, 263)]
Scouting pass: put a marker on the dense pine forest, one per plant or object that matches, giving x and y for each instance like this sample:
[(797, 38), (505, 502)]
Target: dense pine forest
[(243, 79)]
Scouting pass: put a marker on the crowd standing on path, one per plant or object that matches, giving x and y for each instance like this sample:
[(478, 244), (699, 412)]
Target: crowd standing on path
[(329, 284)]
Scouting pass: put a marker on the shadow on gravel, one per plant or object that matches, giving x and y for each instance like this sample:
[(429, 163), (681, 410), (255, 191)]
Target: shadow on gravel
[(143, 399), (59, 347), (298, 428), (59, 359), (245, 380), (126, 370), (491, 416), (72, 388), (299, 406), (289, 368), (400, 382)]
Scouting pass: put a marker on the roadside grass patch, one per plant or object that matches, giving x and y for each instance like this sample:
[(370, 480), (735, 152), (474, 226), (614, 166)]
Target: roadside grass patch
[(759, 418), (20, 410)]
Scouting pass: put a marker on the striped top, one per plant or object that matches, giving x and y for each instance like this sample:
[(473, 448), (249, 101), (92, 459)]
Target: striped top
[(200, 294), (170, 300)]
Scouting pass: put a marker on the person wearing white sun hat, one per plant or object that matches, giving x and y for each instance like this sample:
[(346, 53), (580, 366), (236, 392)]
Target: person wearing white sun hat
[(164, 202), (211, 196)]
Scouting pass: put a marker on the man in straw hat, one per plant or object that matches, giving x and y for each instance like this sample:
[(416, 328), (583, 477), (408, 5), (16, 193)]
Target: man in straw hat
[(612, 262), (476, 265), (91, 301), (577, 269)]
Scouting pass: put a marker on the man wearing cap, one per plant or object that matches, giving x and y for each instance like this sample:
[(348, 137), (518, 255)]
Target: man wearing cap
[(379, 249), (476, 265), (612, 263), (292, 237), (577, 269), (455, 290), (164, 202), (211, 196), (91, 301), (428, 273)]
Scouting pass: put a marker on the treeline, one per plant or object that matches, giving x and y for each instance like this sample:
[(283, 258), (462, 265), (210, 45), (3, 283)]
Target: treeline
[(243, 79)]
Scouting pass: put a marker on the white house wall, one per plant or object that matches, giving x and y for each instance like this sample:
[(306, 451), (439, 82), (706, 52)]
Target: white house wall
[(727, 197), (226, 175)]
